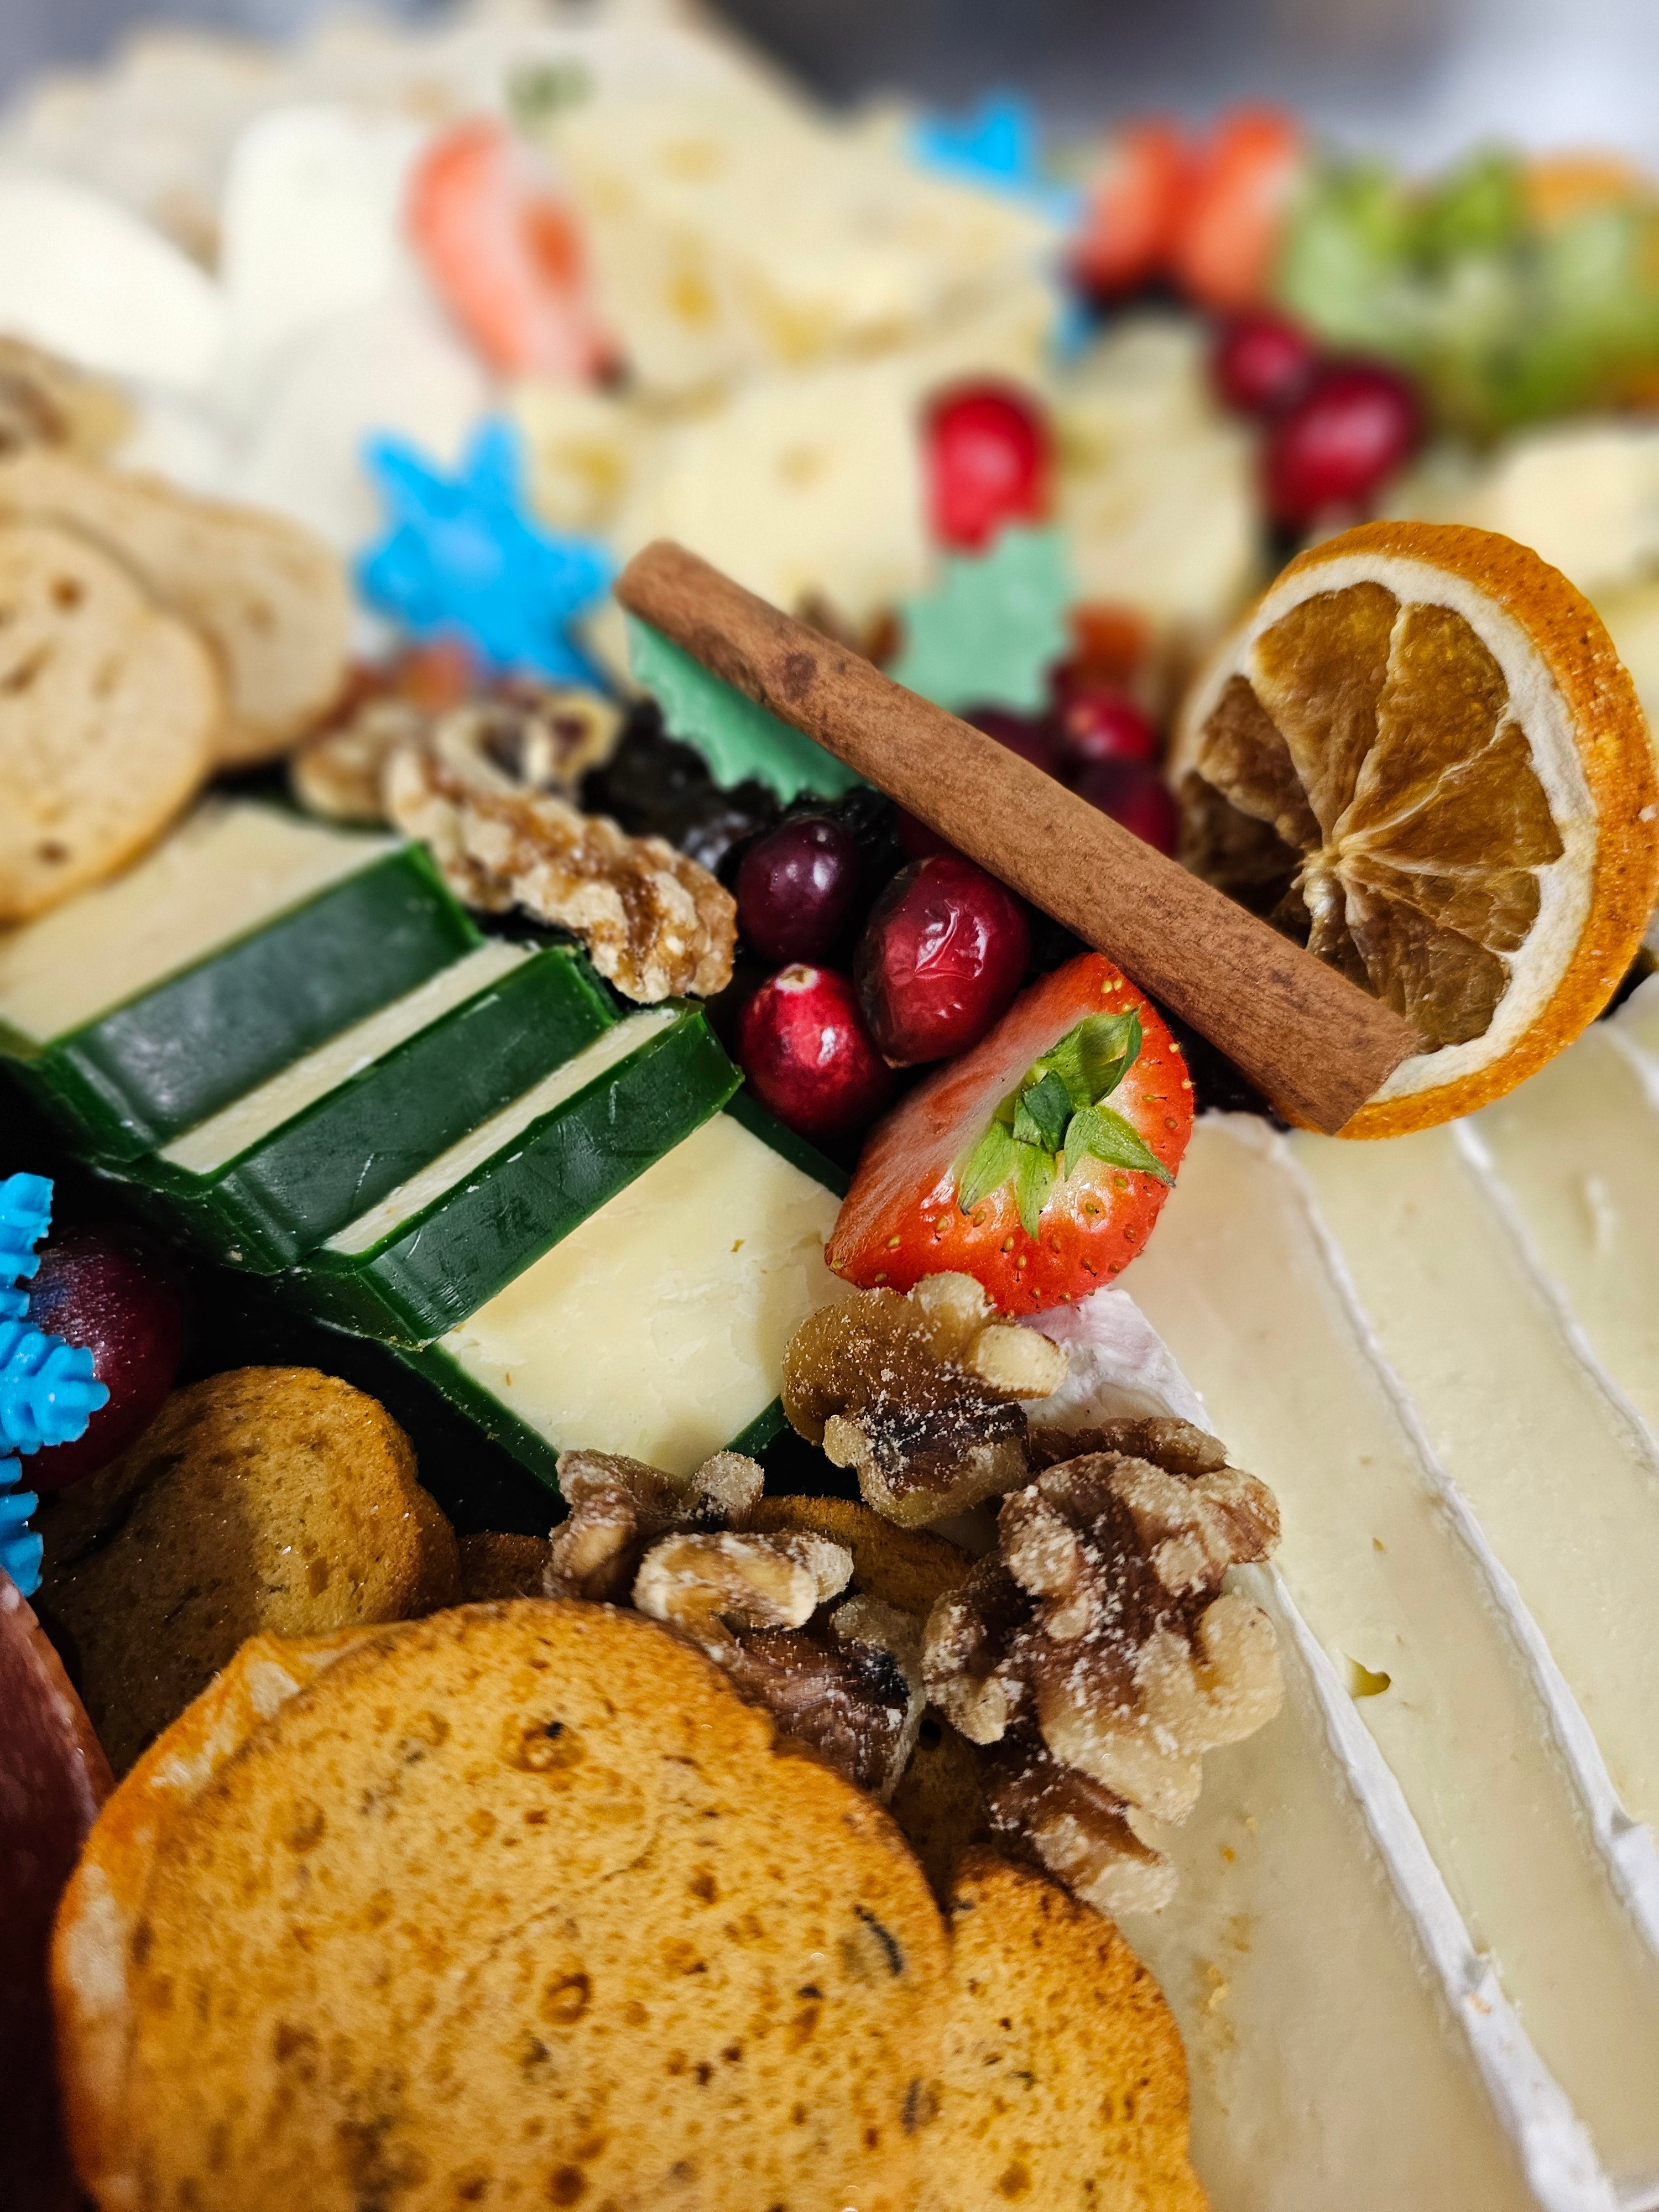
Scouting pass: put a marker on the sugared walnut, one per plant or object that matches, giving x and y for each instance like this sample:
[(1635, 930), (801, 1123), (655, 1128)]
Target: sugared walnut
[(850, 1687), (339, 773), (709, 1586), (1099, 1628), (620, 1506), (920, 1394), (656, 924), (1074, 1826)]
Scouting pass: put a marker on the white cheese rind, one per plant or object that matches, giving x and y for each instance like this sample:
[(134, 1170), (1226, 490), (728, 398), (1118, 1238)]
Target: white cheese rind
[(658, 1326), (227, 870), (462, 1159), (248, 1120)]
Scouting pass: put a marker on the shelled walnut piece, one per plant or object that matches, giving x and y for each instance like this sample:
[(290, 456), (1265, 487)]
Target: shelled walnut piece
[(656, 923), (920, 1393), (619, 1507), (1097, 1650), (848, 1684)]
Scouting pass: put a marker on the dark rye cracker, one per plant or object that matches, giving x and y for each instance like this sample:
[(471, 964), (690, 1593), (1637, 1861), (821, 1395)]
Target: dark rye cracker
[(519, 1905)]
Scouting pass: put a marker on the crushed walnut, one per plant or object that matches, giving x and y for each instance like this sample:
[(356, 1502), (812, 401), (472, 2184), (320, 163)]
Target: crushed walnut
[(1098, 1642), (920, 1393), (848, 1684), (656, 923), (619, 1507), (339, 773)]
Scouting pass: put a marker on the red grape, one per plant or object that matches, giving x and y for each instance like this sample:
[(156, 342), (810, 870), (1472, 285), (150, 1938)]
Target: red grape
[(108, 1289), (1335, 448), (1133, 793), (796, 888), (944, 952), (804, 1047), (988, 459), (1262, 362), (1098, 725), (1032, 738)]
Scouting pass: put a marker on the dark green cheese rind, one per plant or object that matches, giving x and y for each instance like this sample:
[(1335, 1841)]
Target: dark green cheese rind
[(432, 1272), (141, 1075), (286, 1194)]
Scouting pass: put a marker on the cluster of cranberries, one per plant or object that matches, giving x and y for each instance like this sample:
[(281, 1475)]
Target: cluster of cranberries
[(1334, 430)]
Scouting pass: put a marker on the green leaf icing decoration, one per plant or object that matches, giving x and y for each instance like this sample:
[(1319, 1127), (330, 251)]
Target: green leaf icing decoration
[(735, 737), (993, 625), (1056, 1119)]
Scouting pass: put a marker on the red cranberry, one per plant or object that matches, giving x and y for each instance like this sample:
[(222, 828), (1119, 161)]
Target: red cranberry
[(1262, 362), (988, 459), (1098, 725), (920, 843), (107, 1290), (1133, 793), (808, 1057), (796, 887), (1340, 442), (944, 952), (1033, 740)]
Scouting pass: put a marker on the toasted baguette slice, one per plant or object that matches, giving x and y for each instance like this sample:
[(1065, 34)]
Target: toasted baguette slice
[(270, 598), (110, 711), (519, 1905), (1065, 2085), (272, 1499), (940, 1802), (47, 401), (103, 1902)]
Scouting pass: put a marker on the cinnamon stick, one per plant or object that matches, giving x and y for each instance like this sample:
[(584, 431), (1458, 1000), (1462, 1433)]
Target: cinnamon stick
[(1313, 1043)]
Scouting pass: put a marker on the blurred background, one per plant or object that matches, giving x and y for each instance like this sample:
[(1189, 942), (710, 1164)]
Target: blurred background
[(1421, 78)]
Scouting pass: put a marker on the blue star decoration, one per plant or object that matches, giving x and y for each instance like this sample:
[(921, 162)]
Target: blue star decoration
[(464, 554), (998, 147), (48, 1392)]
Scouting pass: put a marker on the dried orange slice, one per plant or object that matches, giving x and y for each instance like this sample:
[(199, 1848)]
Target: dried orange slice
[(1420, 756)]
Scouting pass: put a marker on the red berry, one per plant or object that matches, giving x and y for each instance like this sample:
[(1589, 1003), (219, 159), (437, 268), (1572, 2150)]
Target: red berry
[(1101, 726), (1262, 362), (920, 843), (808, 1057), (988, 459), (941, 957), (1340, 442), (109, 1290), (1032, 739), (796, 888), (1135, 794)]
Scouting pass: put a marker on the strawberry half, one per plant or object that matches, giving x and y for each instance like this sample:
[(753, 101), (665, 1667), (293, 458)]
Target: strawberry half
[(1038, 1161)]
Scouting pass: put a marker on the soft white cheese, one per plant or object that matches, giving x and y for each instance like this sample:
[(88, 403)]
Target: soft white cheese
[(657, 1327), (247, 1119), (479, 1145), (224, 872)]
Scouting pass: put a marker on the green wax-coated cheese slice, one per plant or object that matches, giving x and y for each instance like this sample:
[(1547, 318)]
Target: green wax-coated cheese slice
[(436, 1250), (277, 1198), (140, 1075)]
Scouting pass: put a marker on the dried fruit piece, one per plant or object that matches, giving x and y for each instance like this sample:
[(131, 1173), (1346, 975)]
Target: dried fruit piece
[(920, 1394), (1098, 1650), (618, 1506), (655, 924), (1420, 754)]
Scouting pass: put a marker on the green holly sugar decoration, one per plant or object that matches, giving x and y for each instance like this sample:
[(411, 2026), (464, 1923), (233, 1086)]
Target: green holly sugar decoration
[(1057, 1117), (990, 630), (735, 737)]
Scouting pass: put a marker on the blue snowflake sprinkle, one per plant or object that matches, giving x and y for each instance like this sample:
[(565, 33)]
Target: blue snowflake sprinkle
[(463, 553), (998, 147)]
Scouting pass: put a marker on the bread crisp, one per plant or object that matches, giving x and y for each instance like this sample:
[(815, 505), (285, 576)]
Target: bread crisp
[(1065, 2085), (110, 711), (939, 1803), (270, 1498), (517, 1905), (271, 598), (496, 1566)]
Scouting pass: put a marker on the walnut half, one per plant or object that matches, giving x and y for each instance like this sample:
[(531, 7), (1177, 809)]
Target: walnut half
[(920, 1394), (1097, 1646), (618, 1506)]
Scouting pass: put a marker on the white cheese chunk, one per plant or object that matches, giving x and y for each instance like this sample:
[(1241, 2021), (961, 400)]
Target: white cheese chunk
[(246, 1120), (482, 1143), (1239, 1287), (657, 1327), (225, 871)]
